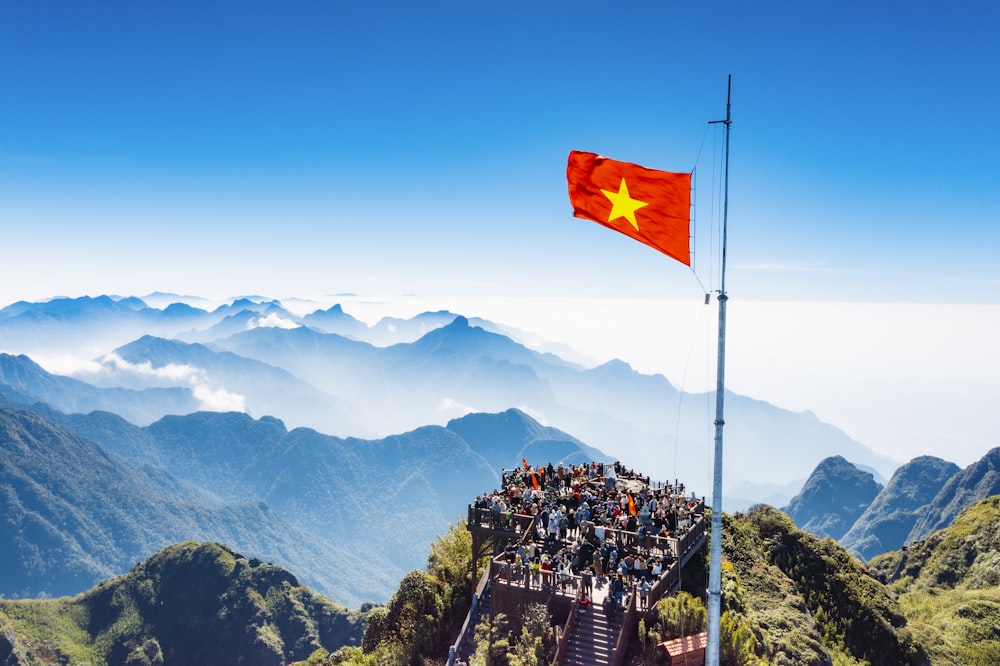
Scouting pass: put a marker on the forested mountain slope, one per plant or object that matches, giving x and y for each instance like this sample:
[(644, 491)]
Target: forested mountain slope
[(187, 604)]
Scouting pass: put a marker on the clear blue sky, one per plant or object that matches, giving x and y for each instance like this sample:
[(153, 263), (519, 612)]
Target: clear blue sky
[(257, 146), (311, 148)]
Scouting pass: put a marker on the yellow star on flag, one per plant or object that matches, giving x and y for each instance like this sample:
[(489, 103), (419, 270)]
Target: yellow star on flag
[(623, 205)]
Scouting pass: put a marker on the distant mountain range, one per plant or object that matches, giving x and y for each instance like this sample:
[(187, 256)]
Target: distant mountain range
[(890, 519), (833, 498), (845, 503), (333, 373), (189, 405), (76, 513), (322, 506)]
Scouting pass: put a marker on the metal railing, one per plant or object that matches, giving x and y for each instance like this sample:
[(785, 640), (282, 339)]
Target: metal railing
[(481, 586), (567, 628), (624, 633), (505, 573)]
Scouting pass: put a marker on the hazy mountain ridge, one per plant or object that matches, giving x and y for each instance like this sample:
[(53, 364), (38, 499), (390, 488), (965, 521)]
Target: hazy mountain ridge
[(20, 377), (887, 522), (325, 506), (261, 388), (923, 495), (978, 481), (113, 320), (640, 419), (73, 324), (833, 498), (627, 414), (75, 513)]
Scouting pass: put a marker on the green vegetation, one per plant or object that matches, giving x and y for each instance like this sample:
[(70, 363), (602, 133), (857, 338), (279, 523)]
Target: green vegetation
[(423, 617), (678, 615), (789, 598), (189, 603), (530, 642), (852, 610), (770, 609), (54, 626), (957, 626), (947, 586), (682, 614)]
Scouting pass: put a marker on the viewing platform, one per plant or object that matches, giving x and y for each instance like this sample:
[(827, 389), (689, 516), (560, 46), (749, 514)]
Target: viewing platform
[(585, 541)]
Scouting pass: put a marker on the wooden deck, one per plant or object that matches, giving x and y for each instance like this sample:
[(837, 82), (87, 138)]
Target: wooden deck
[(585, 638)]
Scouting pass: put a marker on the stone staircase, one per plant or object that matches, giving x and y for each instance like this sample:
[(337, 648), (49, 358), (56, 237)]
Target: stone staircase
[(591, 638)]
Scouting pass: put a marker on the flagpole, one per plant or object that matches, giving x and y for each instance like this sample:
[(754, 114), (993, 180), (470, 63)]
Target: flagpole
[(715, 556)]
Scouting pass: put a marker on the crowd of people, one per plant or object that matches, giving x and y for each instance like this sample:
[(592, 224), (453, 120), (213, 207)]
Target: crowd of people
[(589, 525)]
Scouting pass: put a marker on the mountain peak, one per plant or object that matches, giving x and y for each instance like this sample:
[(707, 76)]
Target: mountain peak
[(197, 603), (832, 498), (978, 481), (888, 520), (457, 336), (181, 310), (507, 437)]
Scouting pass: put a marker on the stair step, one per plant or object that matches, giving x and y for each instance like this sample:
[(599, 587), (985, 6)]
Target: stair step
[(585, 659), (582, 662), (590, 649)]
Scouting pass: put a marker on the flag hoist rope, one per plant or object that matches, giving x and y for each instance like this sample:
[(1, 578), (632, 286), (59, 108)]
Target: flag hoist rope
[(715, 556)]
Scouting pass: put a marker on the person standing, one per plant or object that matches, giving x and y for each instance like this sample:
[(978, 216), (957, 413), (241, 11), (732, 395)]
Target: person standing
[(609, 610), (586, 582), (643, 588), (618, 590)]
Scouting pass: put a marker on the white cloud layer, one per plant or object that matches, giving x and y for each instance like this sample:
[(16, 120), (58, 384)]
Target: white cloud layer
[(454, 409), (272, 320), (113, 370), (170, 374), (218, 400), (905, 379)]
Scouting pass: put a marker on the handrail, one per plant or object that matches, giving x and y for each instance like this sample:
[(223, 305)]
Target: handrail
[(664, 584), (502, 573), (522, 523), (666, 581), (669, 577), (483, 517), (564, 639), (624, 634), (484, 582)]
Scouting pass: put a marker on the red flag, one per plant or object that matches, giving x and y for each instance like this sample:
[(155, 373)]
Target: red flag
[(526, 465), (534, 481), (631, 505), (653, 207)]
